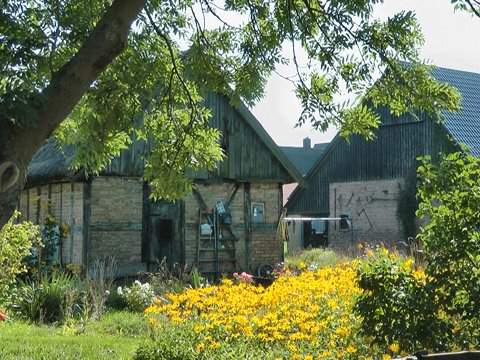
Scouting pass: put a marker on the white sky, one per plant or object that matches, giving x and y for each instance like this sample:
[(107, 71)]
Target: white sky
[(452, 39)]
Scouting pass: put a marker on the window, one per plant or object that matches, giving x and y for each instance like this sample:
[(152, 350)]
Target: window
[(258, 213)]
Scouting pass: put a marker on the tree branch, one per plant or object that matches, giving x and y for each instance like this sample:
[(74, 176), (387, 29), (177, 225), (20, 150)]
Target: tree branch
[(68, 85), (475, 10)]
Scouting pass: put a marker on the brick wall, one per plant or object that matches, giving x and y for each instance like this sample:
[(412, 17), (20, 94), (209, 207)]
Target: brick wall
[(262, 246), (373, 206), (210, 194), (65, 202), (116, 212), (265, 247)]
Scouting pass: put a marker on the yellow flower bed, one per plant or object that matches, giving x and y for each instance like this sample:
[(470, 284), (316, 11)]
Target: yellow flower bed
[(309, 315)]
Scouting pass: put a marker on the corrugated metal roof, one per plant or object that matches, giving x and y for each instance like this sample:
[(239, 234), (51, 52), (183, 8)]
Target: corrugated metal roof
[(463, 125), (304, 158)]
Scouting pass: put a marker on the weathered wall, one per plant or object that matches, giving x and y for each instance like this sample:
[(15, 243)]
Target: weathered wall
[(295, 236), (65, 201), (265, 247), (115, 221), (373, 205), (256, 244), (211, 193)]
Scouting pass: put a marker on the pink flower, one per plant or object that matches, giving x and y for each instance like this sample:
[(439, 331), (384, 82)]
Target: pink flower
[(244, 277)]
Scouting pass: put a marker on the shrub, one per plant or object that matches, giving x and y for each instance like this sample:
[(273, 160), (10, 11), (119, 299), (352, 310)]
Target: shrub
[(16, 240), (116, 301), (179, 341), (165, 280), (398, 306), (450, 199), (49, 299), (138, 296)]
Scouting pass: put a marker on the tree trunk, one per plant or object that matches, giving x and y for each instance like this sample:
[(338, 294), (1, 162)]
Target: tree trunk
[(19, 144)]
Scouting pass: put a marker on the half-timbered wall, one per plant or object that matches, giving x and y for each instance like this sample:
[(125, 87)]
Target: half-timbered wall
[(257, 243), (65, 202)]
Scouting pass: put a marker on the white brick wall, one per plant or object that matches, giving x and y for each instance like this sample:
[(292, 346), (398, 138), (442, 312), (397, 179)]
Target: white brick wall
[(373, 206)]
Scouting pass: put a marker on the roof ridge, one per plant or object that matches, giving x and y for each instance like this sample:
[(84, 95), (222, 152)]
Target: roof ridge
[(455, 70)]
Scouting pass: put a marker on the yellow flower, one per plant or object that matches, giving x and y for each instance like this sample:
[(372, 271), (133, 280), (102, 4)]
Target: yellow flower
[(395, 348), (200, 347), (313, 308), (351, 349), (386, 357), (408, 264), (420, 276)]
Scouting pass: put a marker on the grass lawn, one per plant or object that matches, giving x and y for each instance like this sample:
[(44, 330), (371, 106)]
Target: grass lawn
[(116, 336)]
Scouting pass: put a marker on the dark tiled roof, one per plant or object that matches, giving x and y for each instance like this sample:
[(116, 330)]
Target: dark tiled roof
[(51, 163), (303, 158), (463, 125)]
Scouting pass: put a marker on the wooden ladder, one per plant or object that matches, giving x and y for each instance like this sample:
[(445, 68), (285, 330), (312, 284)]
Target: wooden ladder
[(216, 253)]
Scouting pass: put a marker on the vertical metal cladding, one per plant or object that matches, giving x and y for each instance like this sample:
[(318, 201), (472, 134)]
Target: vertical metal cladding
[(392, 154)]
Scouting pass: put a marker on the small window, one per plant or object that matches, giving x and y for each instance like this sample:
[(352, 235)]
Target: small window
[(258, 213)]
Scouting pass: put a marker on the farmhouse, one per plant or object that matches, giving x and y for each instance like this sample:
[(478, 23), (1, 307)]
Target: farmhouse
[(373, 182), (229, 223)]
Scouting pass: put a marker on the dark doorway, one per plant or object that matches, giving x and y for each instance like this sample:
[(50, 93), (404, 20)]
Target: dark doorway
[(315, 234), (162, 236)]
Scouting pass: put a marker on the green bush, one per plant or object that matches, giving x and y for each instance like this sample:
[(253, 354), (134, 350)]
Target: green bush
[(138, 296), (48, 299), (16, 240), (398, 305), (172, 280), (450, 199), (115, 301)]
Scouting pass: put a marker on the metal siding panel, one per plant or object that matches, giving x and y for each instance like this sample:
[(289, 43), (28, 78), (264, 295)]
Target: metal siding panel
[(391, 155)]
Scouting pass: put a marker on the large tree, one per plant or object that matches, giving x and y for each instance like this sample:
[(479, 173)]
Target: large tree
[(95, 73)]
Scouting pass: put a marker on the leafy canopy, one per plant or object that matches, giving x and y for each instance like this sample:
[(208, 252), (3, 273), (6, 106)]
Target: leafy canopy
[(449, 196), (180, 49)]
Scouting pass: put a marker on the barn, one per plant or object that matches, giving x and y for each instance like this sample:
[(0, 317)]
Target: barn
[(228, 223), (373, 182)]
